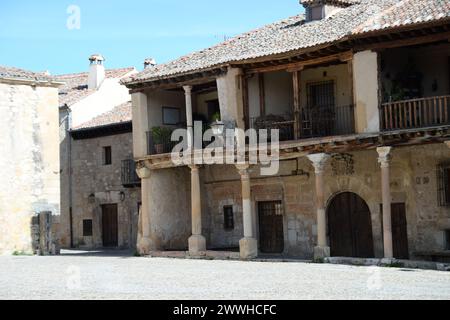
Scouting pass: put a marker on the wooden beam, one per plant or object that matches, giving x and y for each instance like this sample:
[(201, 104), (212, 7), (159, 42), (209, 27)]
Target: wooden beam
[(404, 42), (291, 67), (245, 101), (296, 78), (262, 95)]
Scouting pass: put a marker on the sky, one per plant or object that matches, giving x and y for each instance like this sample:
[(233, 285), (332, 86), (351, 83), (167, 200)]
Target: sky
[(59, 35)]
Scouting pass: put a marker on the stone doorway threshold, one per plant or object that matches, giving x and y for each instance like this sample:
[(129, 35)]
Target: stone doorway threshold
[(392, 263)]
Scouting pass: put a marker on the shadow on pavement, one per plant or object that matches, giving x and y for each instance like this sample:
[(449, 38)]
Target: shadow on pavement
[(97, 253)]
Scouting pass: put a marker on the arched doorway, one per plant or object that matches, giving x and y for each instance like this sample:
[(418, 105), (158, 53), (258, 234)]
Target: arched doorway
[(350, 226)]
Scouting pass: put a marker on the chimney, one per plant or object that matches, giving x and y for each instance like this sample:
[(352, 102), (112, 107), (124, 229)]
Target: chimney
[(149, 62), (96, 72), (323, 9)]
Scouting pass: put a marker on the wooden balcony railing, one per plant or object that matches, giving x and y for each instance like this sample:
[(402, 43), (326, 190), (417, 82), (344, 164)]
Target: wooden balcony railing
[(415, 113), (128, 174), (324, 121), (284, 124), (320, 121)]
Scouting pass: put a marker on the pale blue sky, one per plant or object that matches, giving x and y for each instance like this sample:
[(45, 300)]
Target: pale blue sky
[(34, 34)]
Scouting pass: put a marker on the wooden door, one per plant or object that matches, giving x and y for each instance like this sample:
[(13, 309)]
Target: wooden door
[(350, 227), (110, 225), (271, 236), (399, 230), (321, 108)]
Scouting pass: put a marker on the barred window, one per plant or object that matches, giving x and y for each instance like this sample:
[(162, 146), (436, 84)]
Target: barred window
[(443, 180)]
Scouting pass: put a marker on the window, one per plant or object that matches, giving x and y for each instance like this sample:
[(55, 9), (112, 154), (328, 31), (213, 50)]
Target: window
[(447, 239), (443, 181), (107, 156), (171, 116), (228, 217), (87, 228)]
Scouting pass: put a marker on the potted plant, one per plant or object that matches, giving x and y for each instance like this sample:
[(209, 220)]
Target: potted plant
[(217, 125), (161, 137)]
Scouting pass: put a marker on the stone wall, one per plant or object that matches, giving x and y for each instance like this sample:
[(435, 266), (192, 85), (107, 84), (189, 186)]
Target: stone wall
[(29, 162), (95, 184), (170, 208), (413, 182)]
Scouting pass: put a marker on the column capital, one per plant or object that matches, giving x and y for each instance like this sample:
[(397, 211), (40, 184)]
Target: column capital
[(142, 171), (194, 167), (187, 89), (384, 156), (243, 170), (319, 160)]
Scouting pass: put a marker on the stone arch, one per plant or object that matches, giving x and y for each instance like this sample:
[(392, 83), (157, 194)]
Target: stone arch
[(367, 186), (350, 226)]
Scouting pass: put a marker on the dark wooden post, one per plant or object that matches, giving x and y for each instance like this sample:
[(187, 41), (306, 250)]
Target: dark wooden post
[(297, 103)]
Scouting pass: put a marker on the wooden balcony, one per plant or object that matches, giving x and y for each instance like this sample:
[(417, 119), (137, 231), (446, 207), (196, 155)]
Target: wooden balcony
[(415, 113), (314, 122)]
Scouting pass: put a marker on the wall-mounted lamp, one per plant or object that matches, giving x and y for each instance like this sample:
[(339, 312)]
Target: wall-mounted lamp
[(122, 196)]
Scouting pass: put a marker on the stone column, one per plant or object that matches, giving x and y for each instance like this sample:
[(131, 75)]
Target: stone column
[(322, 250), (248, 245), (145, 243), (189, 119), (197, 242), (384, 157), (140, 124)]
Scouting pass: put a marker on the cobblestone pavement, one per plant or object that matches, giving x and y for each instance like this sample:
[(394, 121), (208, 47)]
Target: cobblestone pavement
[(118, 275)]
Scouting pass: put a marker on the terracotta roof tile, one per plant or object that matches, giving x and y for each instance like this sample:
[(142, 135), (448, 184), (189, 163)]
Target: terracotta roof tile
[(293, 35), (20, 74), (119, 114)]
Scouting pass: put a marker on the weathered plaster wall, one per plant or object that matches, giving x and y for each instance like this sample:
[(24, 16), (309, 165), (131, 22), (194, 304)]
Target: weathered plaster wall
[(338, 73), (110, 94), (90, 176), (157, 99), (413, 182), (365, 84), (29, 161), (229, 90), (170, 208), (278, 87)]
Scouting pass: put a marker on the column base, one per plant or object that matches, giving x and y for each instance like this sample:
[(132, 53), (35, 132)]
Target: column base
[(321, 253), (144, 246), (248, 248), (197, 244)]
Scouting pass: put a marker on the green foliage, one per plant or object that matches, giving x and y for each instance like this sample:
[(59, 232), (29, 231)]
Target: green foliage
[(216, 116), (161, 134)]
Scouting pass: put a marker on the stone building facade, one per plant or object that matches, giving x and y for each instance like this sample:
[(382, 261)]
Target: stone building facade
[(83, 97), (29, 161), (105, 189), (364, 128)]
